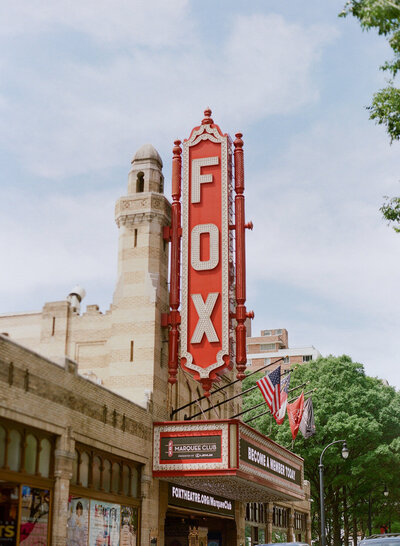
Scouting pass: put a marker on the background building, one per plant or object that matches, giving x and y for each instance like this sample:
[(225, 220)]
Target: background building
[(272, 345)]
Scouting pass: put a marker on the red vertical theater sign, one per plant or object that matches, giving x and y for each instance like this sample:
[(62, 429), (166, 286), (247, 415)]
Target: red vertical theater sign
[(213, 274)]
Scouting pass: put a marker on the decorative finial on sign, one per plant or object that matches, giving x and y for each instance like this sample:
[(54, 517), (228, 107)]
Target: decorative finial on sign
[(207, 120), (238, 142)]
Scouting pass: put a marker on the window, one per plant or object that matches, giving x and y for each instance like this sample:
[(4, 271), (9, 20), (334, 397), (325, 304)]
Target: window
[(278, 332), (105, 472), (286, 360), (280, 516), (267, 361), (249, 362), (266, 333), (135, 238), (96, 472), (255, 512), (14, 450), (307, 358), (140, 182), (267, 347), (299, 521), (131, 351), (30, 454), (25, 449)]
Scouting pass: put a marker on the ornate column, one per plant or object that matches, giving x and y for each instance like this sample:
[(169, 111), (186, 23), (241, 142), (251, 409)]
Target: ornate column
[(63, 465), (290, 537), (308, 528), (269, 513)]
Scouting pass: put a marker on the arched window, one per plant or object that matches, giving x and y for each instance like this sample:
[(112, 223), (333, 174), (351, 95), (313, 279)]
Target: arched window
[(107, 475), (134, 482), (30, 454), (2, 446), (115, 478), (161, 183), (45, 458), (125, 479), (84, 470), (96, 472), (14, 451), (140, 182)]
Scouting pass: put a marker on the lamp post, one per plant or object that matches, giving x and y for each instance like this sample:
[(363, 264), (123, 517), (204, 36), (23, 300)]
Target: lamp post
[(386, 493), (345, 454)]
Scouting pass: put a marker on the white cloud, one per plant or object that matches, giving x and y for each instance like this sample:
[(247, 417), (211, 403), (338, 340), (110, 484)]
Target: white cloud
[(318, 224), (74, 115), (139, 22), (56, 240)]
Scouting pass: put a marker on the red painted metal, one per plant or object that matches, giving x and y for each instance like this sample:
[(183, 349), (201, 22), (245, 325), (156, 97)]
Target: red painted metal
[(208, 357), (206, 209), (174, 317), (240, 227)]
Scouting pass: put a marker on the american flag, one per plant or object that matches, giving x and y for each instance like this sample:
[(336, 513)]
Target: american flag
[(280, 414), (270, 387)]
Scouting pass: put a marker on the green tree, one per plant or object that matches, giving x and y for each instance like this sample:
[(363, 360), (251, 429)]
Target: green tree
[(349, 405), (384, 17)]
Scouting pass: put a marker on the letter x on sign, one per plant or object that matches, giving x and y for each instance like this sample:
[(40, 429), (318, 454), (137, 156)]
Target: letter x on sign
[(204, 325)]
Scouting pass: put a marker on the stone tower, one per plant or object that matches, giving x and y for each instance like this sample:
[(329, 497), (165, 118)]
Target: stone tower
[(137, 358)]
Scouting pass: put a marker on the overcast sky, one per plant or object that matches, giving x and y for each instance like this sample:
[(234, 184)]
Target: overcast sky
[(84, 84)]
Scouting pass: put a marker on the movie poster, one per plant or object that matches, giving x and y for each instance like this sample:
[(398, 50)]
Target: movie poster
[(78, 522), (104, 523), (34, 516), (129, 526), (9, 495)]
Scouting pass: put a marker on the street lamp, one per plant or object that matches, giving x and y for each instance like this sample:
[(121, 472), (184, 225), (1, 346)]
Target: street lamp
[(386, 492), (345, 454)]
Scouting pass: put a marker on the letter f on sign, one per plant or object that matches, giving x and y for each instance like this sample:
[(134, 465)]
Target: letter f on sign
[(204, 325)]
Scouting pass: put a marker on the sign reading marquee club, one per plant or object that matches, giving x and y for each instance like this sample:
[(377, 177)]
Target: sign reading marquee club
[(208, 262)]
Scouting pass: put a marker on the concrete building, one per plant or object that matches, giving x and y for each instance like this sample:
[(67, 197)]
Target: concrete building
[(82, 393), (272, 345)]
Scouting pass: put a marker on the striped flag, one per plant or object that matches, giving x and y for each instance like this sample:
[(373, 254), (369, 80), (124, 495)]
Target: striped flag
[(280, 415), (270, 387)]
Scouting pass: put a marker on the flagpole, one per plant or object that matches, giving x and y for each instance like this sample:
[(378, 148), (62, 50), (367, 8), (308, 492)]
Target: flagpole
[(175, 411), (268, 411), (263, 403)]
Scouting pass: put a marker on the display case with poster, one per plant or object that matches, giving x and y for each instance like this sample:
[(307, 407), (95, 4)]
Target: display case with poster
[(78, 522), (34, 516), (9, 496), (129, 526), (104, 523)]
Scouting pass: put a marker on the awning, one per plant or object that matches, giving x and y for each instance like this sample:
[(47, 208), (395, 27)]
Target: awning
[(228, 458)]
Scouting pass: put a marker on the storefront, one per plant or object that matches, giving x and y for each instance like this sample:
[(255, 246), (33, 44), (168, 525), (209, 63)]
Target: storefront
[(214, 468), (197, 519), (104, 492), (26, 486)]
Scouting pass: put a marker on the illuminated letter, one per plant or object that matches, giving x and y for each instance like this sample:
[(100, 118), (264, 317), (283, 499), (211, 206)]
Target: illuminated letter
[(198, 178), (212, 262), (204, 325)]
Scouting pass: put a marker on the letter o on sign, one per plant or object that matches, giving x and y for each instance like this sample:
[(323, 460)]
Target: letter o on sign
[(212, 262)]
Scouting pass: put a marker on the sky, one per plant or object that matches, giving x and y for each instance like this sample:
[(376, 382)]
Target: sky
[(83, 85)]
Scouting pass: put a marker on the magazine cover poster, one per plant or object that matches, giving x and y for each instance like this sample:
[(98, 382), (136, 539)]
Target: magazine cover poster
[(129, 526), (78, 521), (34, 516), (104, 523)]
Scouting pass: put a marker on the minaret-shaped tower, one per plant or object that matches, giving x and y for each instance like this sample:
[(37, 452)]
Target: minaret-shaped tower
[(137, 361)]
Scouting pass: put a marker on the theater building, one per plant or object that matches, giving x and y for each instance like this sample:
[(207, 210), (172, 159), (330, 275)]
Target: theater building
[(95, 444)]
